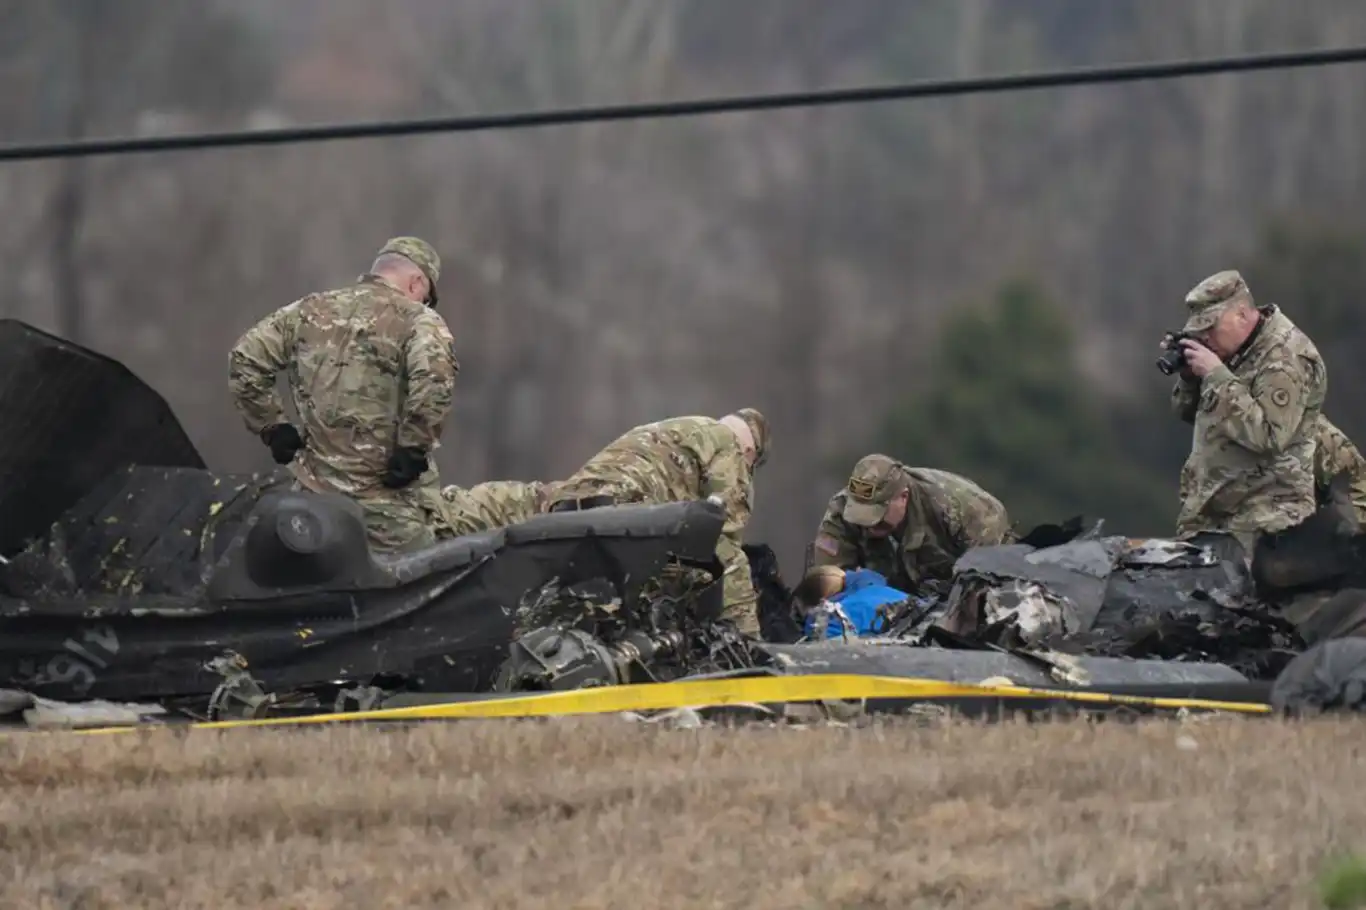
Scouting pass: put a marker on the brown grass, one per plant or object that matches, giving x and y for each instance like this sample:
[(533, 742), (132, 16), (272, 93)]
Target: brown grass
[(601, 812)]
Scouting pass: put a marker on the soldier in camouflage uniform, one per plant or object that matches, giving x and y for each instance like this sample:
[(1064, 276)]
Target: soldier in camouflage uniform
[(908, 524), (495, 504), (1253, 388), (371, 371), (1335, 454), (682, 459)]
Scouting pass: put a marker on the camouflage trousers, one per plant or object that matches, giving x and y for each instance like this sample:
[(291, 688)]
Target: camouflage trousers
[(403, 521)]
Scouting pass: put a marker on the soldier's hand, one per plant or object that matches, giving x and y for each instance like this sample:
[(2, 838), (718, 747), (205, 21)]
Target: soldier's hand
[(284, 441), (1164, 346), (1201, 360), (405, 465)]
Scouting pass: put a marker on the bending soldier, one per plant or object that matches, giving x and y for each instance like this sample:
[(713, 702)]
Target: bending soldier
[(909, 525), (682, 459), (371, 372), (1252, 387)]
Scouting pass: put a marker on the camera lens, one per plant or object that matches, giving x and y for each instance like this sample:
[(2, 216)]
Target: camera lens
[(1170, 361)]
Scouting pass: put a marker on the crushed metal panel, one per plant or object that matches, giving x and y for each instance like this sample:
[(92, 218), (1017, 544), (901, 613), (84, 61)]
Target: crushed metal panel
[(1158, 576), (1077, 571), (883, 659), (1328, 677), (68, 419), (141, 531)]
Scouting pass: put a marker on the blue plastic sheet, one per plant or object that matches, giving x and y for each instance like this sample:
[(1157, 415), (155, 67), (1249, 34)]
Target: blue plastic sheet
[(864, 591)]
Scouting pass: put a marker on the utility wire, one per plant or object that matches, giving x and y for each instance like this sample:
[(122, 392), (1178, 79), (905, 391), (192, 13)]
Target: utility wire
[(661, 110)]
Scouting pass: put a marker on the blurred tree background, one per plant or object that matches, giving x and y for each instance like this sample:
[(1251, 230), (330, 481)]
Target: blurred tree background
[(1003, 400), (973, 283)]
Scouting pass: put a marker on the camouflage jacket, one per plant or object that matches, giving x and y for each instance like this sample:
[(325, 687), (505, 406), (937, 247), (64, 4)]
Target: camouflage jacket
[(368, 369), (1251, 466), (495, 504), (676, 460), (1335, 454), (946, 515)]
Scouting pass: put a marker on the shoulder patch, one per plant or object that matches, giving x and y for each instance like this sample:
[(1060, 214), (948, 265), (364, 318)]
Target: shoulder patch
[(827, 544)]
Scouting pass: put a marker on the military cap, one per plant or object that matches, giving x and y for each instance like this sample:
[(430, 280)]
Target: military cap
[(1207, 301), (875, 482), (758, 428), (419, 253)]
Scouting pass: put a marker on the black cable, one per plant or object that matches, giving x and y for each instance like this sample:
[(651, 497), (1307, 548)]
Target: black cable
[(660, 110)]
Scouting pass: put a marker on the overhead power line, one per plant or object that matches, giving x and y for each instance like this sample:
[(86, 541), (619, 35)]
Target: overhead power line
[(668, 109)]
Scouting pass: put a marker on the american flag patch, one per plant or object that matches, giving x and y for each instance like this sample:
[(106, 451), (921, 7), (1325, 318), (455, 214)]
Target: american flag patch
[(827, 544)]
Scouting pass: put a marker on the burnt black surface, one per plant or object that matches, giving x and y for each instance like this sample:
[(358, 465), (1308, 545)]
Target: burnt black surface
[(141, 532), (68, 419), (439, 619), (777, 622)]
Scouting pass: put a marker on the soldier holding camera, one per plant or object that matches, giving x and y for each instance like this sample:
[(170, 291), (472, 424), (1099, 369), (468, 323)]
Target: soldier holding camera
[(1253, 385)]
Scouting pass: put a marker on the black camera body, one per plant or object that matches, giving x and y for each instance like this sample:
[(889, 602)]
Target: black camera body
[(1173, 358)]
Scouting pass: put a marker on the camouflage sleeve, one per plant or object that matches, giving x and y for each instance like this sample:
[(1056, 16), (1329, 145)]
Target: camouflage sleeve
[(1358, 495), (1185, 482), (1335, 454), (1261, 416), (431, 368), (1327, 461), (982, 522), (834, 544), (255, 361), (1186, 398), (727, 475)]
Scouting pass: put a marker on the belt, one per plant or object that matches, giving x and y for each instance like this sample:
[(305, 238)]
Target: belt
[(582, 504)]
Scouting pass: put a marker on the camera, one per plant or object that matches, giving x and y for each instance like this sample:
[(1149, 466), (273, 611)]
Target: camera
[(1173, 358)]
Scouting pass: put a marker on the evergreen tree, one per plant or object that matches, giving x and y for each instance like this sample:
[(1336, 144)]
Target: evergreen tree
[(1005, 403)]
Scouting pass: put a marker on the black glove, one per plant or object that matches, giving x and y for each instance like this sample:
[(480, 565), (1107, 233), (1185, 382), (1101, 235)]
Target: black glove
[(284, 442), (405, 466)]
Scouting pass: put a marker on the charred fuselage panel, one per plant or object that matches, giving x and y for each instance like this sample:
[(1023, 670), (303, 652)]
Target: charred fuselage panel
[(68, 419), (106, 606)]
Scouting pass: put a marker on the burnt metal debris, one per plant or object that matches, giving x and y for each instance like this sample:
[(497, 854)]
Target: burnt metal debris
[(146, 586)]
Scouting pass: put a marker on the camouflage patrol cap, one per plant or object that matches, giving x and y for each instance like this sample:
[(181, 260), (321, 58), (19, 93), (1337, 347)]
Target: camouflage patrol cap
[(1207, 301), (874, 483), (758, 428), (420, 253)]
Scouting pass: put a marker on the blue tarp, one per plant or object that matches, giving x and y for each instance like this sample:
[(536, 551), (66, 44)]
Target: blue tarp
[(864, 591)]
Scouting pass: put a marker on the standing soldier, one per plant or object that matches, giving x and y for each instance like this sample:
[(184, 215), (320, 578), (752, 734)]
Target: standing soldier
[(682, 459), (909, 525), (371, 371), (1334, 455), (1252, 387)]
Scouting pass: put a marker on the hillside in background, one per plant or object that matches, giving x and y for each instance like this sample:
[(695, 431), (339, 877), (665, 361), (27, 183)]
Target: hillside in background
[(975, 283)]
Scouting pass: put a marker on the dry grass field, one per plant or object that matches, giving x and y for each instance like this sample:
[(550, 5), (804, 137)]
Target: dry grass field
[(1236, 812)]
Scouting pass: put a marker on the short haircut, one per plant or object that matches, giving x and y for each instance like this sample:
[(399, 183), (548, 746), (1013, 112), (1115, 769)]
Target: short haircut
[(394, 262)]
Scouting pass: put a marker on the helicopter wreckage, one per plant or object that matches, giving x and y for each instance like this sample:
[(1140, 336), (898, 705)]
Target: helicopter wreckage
[(136, 585)]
